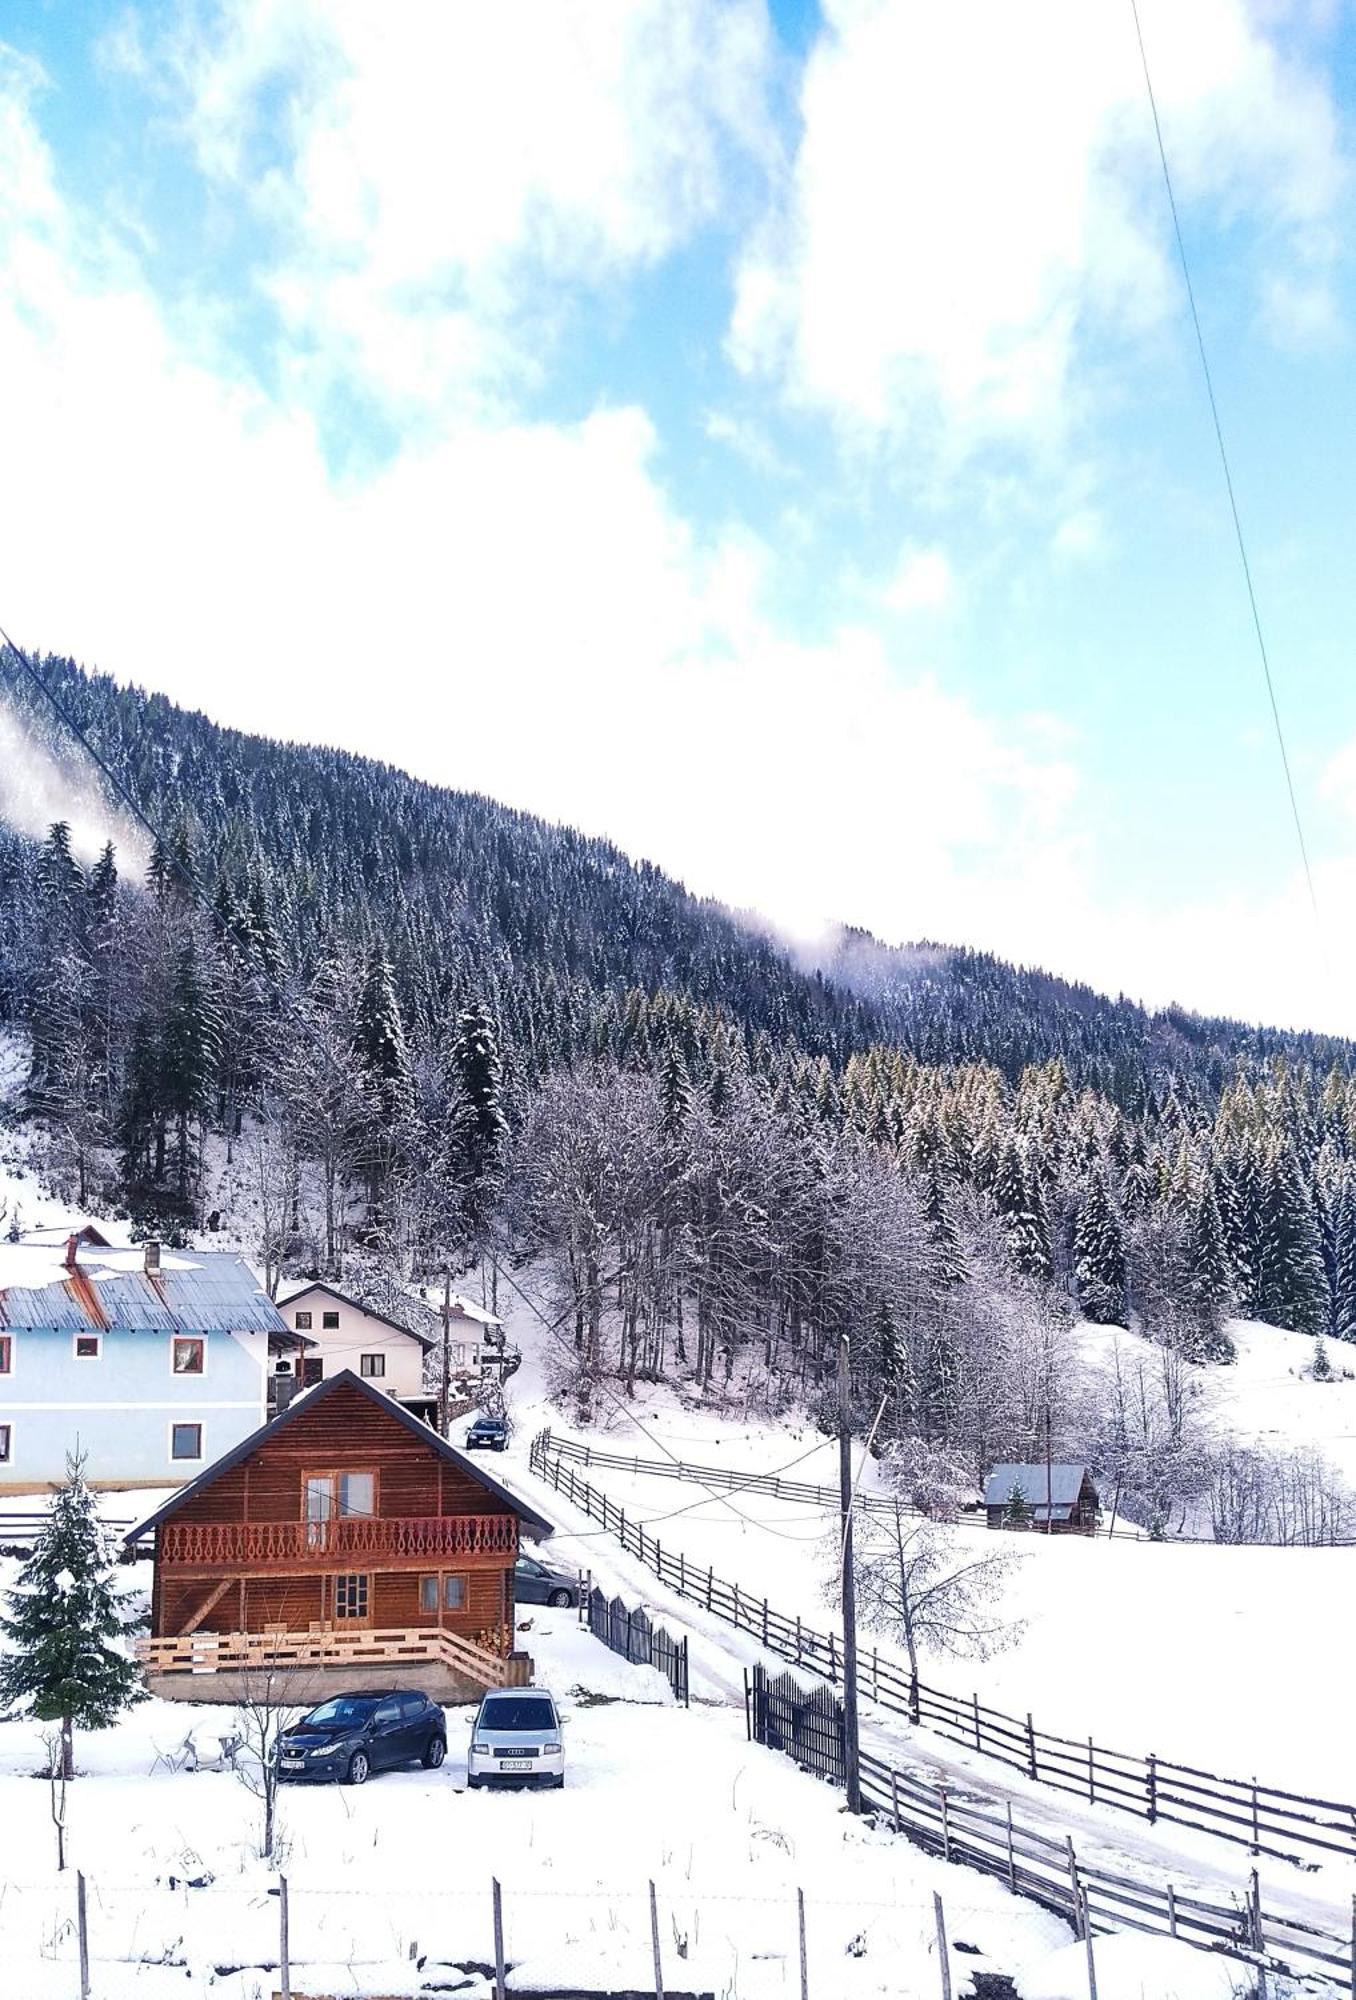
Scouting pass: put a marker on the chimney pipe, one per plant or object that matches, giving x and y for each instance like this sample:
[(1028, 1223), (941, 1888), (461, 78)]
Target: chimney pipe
[(152, 1256), (72, 1249)]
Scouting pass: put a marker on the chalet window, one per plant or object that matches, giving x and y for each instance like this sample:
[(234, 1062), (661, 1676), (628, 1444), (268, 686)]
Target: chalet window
[(329, 1322), (372, 1366), (351, 1596), (6, 1439), (337, 1496), (302, 1322), (189, 1355), (312, 1371), (6, 1354), (452, 1592), (185, 1440), (87, 1346)]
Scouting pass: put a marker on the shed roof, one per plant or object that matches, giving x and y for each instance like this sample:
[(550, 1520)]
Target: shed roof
[(358, 1305), (111, 1291), (1066, 1483), (537, 1523)]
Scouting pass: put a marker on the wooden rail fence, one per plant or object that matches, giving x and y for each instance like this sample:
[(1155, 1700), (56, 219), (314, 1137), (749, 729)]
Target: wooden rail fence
[(1267, 1819), (723, 1477)]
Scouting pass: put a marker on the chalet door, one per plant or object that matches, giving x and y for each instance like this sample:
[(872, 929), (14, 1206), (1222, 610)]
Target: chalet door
[(350, 1601)]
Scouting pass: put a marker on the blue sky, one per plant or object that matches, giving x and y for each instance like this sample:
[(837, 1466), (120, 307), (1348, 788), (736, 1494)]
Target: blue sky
[(770, 436)]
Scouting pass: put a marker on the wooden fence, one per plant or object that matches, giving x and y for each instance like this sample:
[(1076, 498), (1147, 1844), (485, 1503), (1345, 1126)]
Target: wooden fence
[(1264, 1818), (724, 1478), (637, 1638), (807, 1725)]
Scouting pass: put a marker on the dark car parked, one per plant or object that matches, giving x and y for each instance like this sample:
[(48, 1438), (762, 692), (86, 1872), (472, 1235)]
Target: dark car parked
[(536, 1583), (487, 1434), (345, 1740)]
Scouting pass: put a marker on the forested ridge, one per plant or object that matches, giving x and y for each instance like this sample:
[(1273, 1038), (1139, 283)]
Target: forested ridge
[(425, 1026)]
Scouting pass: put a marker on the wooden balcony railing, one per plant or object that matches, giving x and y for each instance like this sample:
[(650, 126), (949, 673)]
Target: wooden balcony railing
[(421, 1538), (283, 1653)]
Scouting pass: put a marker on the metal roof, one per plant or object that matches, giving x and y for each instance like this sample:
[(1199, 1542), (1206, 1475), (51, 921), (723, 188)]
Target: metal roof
[(536, 1524), (202, 1291), (1066, 1482)]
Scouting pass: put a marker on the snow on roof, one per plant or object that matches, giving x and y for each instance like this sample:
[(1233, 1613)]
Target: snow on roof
[(1066, 1482), (59, 1234), (205, 1292), (469, 1311)]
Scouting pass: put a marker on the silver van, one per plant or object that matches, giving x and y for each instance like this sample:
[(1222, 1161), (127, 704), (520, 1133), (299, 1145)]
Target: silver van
[(515, 1740)]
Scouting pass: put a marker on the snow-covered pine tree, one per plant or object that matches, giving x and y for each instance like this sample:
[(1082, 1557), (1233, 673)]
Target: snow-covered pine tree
[(1099, 1255), (1344, 1301), (1293, 1290), (60, 1666), (475, 1060), (1021, 1212), (948, 1265), (1017, 1511)]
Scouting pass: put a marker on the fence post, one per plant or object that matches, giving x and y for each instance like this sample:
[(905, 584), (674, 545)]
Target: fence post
[(797, 1638), (1030, 1746), (1073, 1884), (765, 1623), (1012, 1855), (1255, 1906), (1152, 1768), (682, 1573), (833, 1661), (654, 1945), (709, 1578), (748, 1711), (894, 1801), (1092, 1774), (82, 1932), (736, 1605), (1172, 1914), (913, 1699), (500, 1973), (1256, 1835), (974, 1701), (284, 1941), (943, 1956), (875, 1676), (804, 1960), (1087, 1945), (946, 1823)]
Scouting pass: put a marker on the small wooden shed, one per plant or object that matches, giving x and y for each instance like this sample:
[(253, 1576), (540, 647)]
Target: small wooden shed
[(1054, 1499)]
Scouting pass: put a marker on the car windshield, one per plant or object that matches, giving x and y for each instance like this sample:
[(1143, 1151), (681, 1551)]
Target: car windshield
[(518, 1711), (346, 1711)]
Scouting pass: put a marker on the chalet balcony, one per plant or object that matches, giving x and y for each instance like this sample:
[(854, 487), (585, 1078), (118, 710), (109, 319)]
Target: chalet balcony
[(253, 1545)]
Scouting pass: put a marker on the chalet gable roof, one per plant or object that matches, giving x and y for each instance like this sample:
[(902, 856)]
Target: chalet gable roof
[(1066, 1483), (535, 1523), (357, 1305)]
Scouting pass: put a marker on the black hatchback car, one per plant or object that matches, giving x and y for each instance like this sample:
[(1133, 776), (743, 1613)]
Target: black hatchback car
[(487, 1434), (345, 1740)]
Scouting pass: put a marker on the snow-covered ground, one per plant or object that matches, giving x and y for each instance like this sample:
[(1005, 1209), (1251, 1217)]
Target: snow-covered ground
[(727, 1832)]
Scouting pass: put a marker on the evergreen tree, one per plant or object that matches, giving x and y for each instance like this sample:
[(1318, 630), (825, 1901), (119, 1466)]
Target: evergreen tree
[(383, 1061), (190, 1047), (1344, 1301), (1017, 1513), (484, 1127), (948, 1258), (1292, 1289), (1099, 1256), (60, 1666)]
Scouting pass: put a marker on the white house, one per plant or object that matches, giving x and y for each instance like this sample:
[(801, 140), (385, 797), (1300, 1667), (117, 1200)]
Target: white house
[(340, 1333)]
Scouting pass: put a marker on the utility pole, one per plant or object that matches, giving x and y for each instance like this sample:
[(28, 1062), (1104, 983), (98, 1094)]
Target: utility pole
[(445, 1394), (851, 1745)]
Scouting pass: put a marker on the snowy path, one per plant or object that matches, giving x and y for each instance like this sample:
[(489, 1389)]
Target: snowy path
[(1194, 1864)]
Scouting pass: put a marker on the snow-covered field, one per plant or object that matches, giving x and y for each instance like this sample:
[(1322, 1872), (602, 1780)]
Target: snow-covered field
[(727, 1832)]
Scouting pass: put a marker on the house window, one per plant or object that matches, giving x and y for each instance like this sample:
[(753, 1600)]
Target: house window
[(185, 1440), (87, 1346), (6, 1438), (189, 1355), (312, 1371), (302, 1322), (329, 1322), (6, 1354), (350, 1596), (373, 1366), (453, 1593), (337, 1496)]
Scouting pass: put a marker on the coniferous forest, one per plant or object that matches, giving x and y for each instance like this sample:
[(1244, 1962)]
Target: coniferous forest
[(407, 1027)]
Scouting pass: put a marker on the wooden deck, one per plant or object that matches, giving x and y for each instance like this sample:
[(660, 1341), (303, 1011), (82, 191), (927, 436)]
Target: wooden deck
[(281, 1651)]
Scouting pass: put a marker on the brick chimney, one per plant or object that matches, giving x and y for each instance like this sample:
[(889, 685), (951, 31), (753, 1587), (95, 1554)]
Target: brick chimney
[(152, 1256), (72, 1252)]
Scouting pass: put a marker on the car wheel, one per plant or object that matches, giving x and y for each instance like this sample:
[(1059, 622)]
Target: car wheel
[(434, 1752), (359, 1768), (558, 1784), (560, 1597)]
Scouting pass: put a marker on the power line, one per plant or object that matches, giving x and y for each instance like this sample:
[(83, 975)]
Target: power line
[(1224, 463)]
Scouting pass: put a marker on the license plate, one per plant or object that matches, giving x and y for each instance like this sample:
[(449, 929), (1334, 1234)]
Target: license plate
[(294, 1763), (516, 1764)]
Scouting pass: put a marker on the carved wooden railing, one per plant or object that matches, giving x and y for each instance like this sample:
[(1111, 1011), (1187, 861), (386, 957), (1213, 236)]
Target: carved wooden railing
[(419, 1537), (285, 1653)]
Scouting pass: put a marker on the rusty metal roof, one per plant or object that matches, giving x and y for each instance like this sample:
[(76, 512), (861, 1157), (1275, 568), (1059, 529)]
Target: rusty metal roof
[(200, 1291)]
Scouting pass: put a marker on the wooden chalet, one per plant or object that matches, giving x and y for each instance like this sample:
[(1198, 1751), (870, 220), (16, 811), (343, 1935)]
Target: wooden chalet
[(344, 1544), (1052, 1499)]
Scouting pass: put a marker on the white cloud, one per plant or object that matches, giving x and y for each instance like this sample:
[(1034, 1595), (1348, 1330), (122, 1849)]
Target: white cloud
[(1080, 537), (975, 200), (450, 170), (923, 580)]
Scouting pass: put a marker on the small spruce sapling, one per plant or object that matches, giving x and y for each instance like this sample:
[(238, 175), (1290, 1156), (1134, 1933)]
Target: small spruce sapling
[(61, 1666)]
